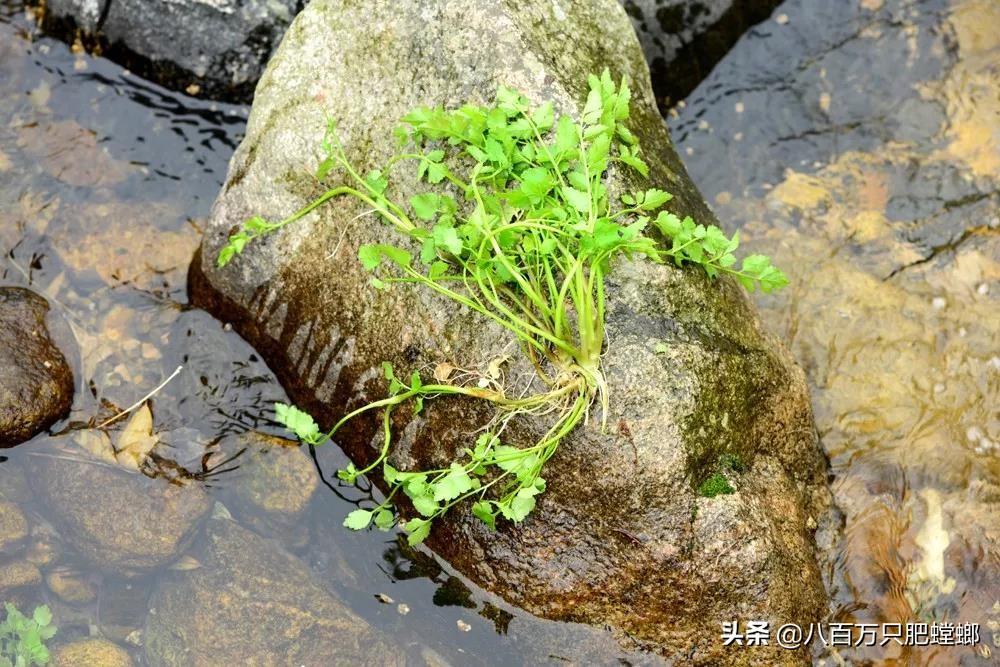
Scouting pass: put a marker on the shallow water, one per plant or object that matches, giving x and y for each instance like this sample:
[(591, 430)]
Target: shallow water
[(859, 145), (104, 179)]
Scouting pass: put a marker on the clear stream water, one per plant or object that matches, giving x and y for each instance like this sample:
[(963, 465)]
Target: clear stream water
[(857, 143)]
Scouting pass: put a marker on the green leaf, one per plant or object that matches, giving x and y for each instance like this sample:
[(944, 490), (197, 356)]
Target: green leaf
[(452, 485), (425, 206), (654, 199), (384, 519), (446, 237), (376, 181), (418, 530), (348, 474), (422, 496), (358, 519), (566, 135), (369, 256), (372, 254), (536, 182), (580, 201), (520, 505), (437, 270), (482, 509), (42, 615), (543, 116), (297, 421)]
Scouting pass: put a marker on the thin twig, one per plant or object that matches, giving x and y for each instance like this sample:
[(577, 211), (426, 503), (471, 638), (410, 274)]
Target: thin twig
[(143, 399)]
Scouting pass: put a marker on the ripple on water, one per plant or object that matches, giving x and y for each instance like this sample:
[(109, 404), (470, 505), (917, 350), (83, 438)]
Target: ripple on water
[(860, 147), (104, 179)]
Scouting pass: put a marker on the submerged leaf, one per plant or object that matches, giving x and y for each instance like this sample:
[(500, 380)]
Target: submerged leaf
[(136, 441)]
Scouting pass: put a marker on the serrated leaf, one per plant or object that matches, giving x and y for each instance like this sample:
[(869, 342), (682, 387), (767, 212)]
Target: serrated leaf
[(483, 511), (446, 237), (358, 519), (425, 206), (42, 615), (452, 485), (384, 519), (417, 531), (297, 421)]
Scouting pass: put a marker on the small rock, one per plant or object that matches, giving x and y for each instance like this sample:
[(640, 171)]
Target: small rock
[(36, 383), (122, 608), (781, 19), (463, 626), (121, 521), (254, 603), (70, 586), (18, 575), (92, 653), (45, 548), (13, 526), (273, 484)]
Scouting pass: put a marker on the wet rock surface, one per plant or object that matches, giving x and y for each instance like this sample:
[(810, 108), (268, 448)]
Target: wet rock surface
[(36, 383), (273, 480), (13, 526), (220, 47), (885, 209), (235, 610), (684, 39), (92, 653), (614, 541), (119, 520)]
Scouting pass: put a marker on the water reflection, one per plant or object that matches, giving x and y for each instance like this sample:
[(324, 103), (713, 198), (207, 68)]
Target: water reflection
[(104, 179), (859, 145)]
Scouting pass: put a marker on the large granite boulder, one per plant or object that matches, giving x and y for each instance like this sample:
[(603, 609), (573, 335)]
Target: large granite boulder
[(621, 538), (36, 382), (221, 46)]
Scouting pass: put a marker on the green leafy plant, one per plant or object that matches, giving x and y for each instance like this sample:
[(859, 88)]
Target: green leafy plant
[(714, 485), (518, 225), (22, 639)]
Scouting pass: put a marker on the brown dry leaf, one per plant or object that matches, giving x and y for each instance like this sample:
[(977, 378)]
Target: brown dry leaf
[(137, 439), (443, 371), (185, 563), (493, 369), (98, 444)]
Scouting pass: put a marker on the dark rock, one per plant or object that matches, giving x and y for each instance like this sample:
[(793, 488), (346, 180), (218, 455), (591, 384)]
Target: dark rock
[(36, 383), (251, 602), (684, 39), (119, 520), (221, 46)]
